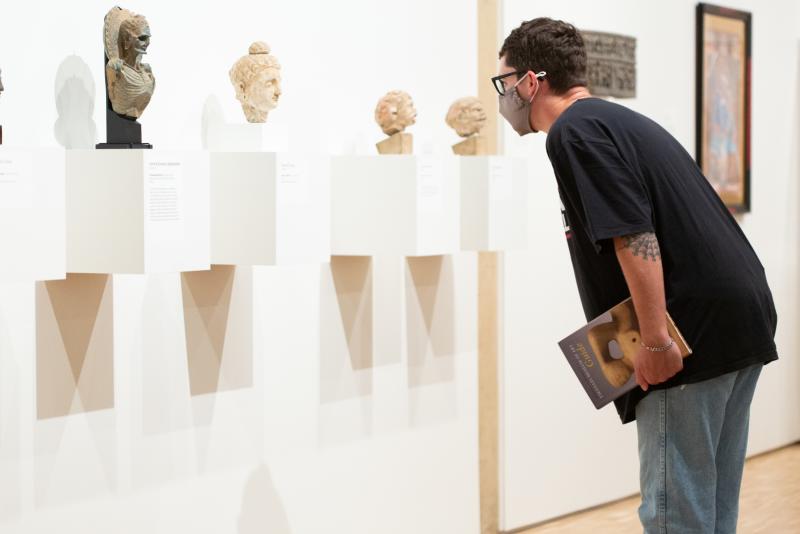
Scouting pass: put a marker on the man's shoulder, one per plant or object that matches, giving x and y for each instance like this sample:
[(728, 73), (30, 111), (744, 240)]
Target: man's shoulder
[(595, 119), (584, 118)]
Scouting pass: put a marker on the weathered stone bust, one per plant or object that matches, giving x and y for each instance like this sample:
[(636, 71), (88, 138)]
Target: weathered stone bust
[(394, 113), (130, 82), (467, 117), (256, 78)]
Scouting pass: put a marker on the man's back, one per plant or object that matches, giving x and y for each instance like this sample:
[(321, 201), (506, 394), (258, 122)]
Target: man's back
[(620, 173)]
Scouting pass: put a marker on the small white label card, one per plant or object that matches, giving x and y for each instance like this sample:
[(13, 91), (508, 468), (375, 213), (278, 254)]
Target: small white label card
[(292, 186), (500, 180), (164, 212), (430, 185), (500, 198), (16, 179)]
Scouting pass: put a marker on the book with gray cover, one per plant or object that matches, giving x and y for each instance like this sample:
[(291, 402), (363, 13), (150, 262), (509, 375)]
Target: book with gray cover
[(602, 352)]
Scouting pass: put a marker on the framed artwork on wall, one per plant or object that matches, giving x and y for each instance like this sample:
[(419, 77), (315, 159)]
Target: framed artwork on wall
[(723, 102)]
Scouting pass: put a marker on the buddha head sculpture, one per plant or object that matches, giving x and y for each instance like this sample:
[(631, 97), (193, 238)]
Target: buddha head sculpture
[(130, 82), (256, 78), (466, 116), (395, 112)]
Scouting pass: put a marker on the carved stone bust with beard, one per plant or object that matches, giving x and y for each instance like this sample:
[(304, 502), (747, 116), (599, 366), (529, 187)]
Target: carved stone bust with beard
[(130, 82)]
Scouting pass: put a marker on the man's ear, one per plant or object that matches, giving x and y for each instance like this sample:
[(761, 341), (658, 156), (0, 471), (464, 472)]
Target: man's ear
[(544, 85), (526, 81)]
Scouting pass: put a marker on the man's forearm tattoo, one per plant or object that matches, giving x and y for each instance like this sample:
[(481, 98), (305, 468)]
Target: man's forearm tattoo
[(644, 245)]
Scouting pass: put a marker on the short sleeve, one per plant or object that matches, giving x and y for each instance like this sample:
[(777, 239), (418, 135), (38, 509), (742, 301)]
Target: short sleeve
[(615, 202)]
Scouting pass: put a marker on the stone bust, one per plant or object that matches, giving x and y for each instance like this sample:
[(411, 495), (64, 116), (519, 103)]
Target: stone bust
[(466, 116), (130, 82), (256, 78), (395, 112)]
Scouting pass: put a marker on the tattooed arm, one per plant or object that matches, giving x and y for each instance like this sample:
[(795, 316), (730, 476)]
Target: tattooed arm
[(640, 258)]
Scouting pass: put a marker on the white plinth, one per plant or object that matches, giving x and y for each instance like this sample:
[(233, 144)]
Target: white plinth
[(137, 211), (494, 211), (269, 209), (248, 137), (400, 205), (32, 214)]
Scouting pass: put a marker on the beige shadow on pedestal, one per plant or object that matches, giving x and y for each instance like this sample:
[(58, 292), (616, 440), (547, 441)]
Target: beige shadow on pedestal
[(218, 320), (74, 345), (346, 349), (430, 325), (352, 278), (430, 340)]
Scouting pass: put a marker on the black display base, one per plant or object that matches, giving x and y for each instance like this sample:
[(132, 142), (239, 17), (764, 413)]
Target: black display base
[(122, 132), (122, 146)]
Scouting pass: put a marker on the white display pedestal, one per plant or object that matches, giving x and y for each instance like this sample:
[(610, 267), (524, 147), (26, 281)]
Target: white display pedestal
[(32, 214), (137, 211), (397, 205), (248, 137), (494, 210), (269, 209)]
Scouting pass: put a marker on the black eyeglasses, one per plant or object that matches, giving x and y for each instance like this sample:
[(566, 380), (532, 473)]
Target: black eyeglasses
[(497, 81)]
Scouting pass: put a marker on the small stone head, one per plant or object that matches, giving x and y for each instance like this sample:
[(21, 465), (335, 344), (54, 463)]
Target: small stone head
[(466, 116), (134, 39), (395, 112), (256, 78)]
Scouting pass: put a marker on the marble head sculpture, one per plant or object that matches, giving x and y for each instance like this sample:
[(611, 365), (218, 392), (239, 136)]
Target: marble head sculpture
[(256, 78), (394, 113), (130, 82), (467, 117)]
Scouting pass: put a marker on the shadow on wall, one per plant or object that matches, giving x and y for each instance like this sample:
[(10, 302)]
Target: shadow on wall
[(74, 345), (346, 358), (352, 277), (346, 345), (75, 93), (431, 340), (212, 117), (218, 318), (262, 509), (430, 297), (11, 505)]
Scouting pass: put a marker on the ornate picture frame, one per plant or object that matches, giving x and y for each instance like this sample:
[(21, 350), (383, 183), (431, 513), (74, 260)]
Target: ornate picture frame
[(723, 104)]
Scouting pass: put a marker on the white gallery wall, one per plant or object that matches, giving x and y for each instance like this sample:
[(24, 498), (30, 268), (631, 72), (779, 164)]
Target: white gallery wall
[(559, 454), (349, 403)]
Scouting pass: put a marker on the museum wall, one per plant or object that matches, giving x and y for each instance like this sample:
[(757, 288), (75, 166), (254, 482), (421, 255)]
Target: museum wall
[(346, 400), (559, 454)]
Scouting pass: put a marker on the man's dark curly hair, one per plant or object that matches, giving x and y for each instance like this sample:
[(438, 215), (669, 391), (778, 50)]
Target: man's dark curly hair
[(553, 46)]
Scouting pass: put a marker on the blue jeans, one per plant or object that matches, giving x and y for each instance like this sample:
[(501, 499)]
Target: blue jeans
[(692, 444)]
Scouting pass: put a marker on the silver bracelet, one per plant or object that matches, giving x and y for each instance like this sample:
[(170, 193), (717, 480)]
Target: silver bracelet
[(660, 349)]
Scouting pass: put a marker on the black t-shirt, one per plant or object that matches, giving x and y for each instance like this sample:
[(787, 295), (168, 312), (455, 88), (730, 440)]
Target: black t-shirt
[(620, 173)]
